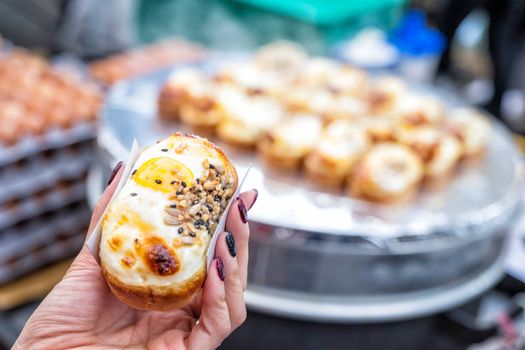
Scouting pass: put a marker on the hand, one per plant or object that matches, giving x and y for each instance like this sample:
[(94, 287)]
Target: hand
[(81, 311)]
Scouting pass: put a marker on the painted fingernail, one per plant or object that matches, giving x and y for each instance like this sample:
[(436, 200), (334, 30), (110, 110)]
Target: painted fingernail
[(220, 268), (114, 172), (230, 242), (254, 198), (242, 211)]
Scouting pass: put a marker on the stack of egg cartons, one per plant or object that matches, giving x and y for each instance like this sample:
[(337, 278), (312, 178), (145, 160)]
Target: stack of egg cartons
[(47, 124)]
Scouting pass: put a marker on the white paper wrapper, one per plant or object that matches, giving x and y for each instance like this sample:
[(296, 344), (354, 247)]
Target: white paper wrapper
[(93, 242), (210, 254)]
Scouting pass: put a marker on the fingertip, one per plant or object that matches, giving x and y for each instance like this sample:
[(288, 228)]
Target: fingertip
[(213, 289), (213, 278), (219, 265), (249, 198)]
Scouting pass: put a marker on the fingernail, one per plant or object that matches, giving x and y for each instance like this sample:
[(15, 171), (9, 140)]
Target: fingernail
[(230, 242), (220, 268), (242, 211), (254, 198), (114, 172)]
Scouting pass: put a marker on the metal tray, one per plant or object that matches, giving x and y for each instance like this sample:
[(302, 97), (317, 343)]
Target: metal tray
[(323, 256), (475, 197)]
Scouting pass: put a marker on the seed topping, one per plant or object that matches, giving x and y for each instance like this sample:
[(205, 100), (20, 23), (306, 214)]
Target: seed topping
[(198, 204)]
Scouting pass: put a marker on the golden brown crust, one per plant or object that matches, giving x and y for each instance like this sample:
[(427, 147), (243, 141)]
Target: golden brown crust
[(169, 102), (324, 179), (473, 159), (236, 134), (280, 160), (354, 189), (159, 298), (400, 199), (324, 172), (201, 115), (360, 185), (277, 156), (439, 181)]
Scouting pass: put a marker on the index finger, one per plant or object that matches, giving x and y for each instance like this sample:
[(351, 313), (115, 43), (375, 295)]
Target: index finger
[(236, 224)]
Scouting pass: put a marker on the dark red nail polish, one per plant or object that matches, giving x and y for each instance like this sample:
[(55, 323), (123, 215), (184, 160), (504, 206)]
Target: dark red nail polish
[(242, 211), (220, 268), (254, 198), (230, 242), (114, 172)]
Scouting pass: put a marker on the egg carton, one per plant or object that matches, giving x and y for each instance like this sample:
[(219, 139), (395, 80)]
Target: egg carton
[(42, 202), (52, 140), (43, 171), (42, 240)]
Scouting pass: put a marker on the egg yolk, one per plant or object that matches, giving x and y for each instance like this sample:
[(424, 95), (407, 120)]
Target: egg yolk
[(161, 174)]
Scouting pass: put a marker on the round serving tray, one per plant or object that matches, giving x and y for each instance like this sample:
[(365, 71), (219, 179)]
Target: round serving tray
[(419, 257), (474, 196)]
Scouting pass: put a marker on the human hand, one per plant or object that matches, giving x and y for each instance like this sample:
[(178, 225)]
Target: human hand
[(81, 311)]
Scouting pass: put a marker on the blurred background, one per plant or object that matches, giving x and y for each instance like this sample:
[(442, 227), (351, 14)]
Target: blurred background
[(59, 60)]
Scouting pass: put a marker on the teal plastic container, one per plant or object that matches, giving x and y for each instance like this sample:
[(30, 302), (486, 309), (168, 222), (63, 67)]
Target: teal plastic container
[(240, 25), (323, 12)]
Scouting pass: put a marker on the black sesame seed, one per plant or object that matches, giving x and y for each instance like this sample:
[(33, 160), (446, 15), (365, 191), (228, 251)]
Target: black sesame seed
[(198, 181), (180, 230), (178, 193), (183, 184), (173, 182), (164, 150), (199, 222), (173, 206), (209, 207), (217, 198), (133, 194), (195, 202), (134, 171), (212, 166), (197, 226), (193, 234), (136, 240), (158, 181), (207, 225)]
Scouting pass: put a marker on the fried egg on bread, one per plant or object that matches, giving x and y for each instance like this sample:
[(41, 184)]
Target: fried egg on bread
[(158, 227), (290, 140), (340, 147), (387, 172)]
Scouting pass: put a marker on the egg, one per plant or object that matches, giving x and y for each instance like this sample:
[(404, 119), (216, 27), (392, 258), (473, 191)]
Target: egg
[(387, 172), (290, 140)]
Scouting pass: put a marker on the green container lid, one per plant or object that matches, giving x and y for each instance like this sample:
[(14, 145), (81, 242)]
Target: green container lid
[(323, 12)]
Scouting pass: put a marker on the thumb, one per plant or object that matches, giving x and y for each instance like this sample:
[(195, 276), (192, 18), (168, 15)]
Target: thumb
[(85, 258), (103, 201), (214, 323)]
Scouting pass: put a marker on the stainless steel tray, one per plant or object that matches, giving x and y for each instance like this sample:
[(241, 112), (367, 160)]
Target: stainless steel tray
[(321, 249)]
